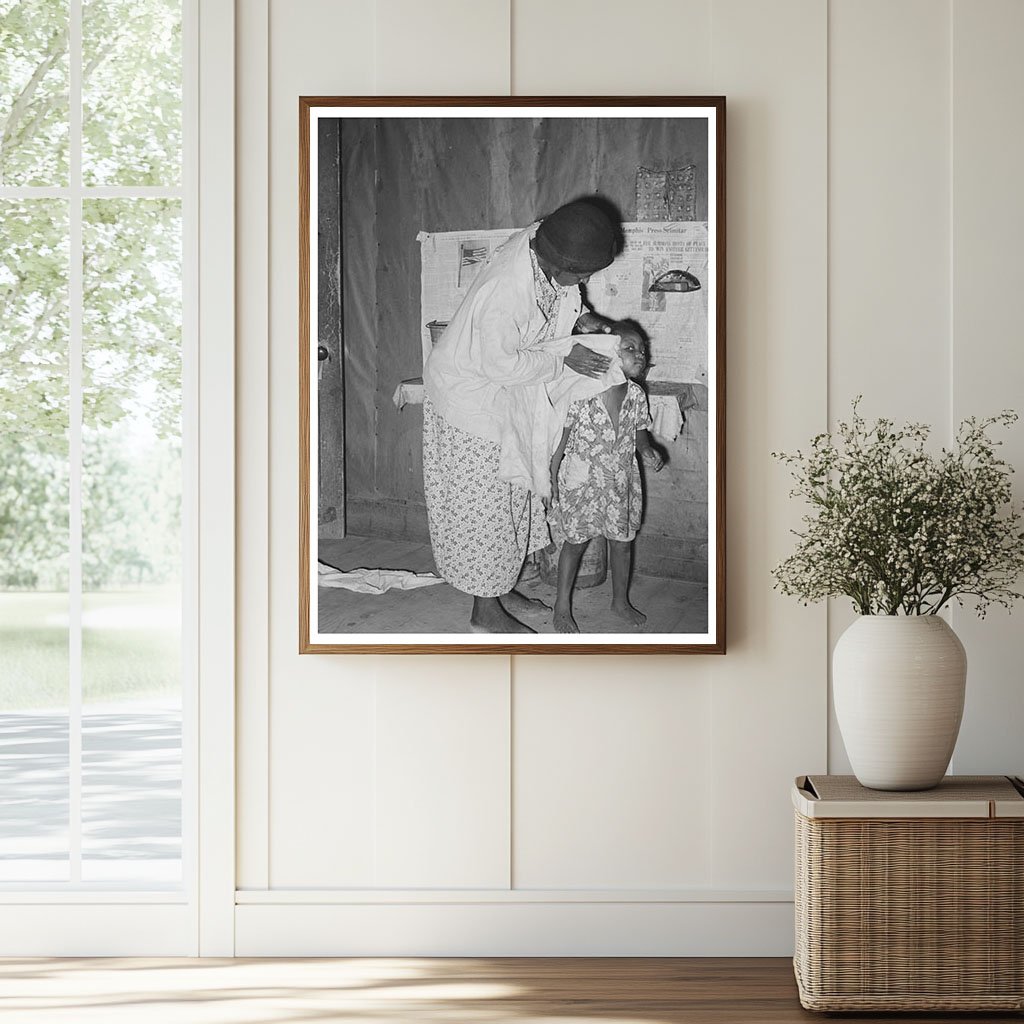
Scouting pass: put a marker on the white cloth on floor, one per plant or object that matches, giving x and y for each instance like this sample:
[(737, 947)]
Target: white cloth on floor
[(536, 414), (374, 581)]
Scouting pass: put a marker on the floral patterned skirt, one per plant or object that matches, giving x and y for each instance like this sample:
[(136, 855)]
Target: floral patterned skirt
[(481, 528)]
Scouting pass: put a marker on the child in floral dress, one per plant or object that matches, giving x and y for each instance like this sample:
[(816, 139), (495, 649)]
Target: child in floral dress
[(595, 480)]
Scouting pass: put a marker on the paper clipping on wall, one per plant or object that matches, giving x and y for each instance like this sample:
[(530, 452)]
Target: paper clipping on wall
[(676, 322), (449, 263)]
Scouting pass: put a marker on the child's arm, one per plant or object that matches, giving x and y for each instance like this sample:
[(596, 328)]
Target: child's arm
[(556, 461), (647, 451)]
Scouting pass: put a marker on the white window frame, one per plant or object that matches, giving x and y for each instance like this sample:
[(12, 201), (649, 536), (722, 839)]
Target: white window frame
[(197, 918), (216, 392)]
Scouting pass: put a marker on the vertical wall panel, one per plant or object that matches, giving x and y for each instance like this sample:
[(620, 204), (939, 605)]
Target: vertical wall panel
[(252, 394), (988, 332), (442, 771), (214, 527), (320, 786), (612, 775), (888, 224), (769, 692), (578, 47), (442, 48), (323, 765), (889, 209)]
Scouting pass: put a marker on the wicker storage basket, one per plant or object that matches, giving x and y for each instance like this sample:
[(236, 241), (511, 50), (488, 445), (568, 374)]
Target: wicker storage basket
[(910, 901)]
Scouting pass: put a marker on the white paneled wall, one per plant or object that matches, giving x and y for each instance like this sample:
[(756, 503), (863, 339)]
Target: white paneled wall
[(986, 371), (252, 463), (768, 693), (441, 48), (624, 804), (889, 243), (612, 775), (924, 209), (579, 48), (321, 815), (442, 798), (889, 213)]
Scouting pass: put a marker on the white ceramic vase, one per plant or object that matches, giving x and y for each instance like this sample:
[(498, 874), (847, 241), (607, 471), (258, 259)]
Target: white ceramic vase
[(898, 684)]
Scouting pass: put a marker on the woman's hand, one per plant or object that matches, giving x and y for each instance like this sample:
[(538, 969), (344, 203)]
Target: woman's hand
[(586, 362), (653, 458), (593, 323)]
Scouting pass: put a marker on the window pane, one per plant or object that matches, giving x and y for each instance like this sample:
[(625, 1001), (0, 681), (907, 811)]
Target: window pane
[(131, 92), (33, 540), (33, 92), (131, 541)]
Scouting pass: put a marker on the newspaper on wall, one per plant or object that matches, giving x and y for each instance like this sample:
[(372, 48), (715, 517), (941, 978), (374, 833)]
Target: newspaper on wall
[(676, 322), (449, 263)]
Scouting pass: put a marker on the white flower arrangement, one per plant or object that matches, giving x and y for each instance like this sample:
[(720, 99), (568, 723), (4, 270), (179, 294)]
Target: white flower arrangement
[(900, 530)]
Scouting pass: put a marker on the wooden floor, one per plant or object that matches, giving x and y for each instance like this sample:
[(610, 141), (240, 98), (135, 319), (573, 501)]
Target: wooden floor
[(414, 991), (671, 606)]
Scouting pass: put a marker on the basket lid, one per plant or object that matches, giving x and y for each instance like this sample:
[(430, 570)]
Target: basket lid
[(957, 796)]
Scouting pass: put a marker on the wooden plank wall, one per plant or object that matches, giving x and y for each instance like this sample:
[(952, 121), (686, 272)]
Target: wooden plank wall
[(445, 175), (331, 505)]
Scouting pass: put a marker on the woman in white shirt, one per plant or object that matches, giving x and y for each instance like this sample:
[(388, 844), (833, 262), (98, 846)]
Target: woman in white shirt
[(481, 528)]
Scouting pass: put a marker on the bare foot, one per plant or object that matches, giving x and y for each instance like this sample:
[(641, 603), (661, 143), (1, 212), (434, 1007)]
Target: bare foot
[(626, 611), (564, 622), (492, 618), (518, 603)]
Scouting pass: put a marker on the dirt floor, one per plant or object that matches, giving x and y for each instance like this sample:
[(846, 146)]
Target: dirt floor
[(671, 606)]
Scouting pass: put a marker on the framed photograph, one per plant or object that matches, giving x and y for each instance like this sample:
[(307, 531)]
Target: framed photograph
[(512, 375)]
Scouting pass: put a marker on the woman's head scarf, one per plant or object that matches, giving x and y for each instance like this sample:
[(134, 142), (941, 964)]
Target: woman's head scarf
[(578, 237)]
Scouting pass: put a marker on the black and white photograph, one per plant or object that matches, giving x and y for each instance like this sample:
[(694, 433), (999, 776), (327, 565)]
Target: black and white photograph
[(512, 375)]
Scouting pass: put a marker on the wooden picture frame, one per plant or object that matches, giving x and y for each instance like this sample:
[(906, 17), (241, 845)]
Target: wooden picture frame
[(410, 198)]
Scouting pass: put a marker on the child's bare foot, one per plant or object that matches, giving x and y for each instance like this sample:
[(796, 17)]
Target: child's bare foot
[(490, 617), (626, 611), (564, 622), (518, 603)]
